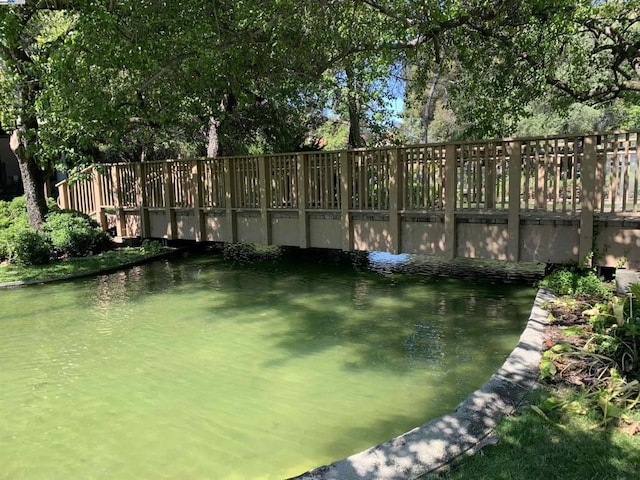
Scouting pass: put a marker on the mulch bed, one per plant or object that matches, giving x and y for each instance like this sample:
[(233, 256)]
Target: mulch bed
[(578, 370)]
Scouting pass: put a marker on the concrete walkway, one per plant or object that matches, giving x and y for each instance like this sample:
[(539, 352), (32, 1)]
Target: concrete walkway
[(442, 440)]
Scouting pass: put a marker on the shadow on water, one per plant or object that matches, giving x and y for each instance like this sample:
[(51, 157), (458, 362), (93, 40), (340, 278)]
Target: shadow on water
[(329, 305), (388, 324)]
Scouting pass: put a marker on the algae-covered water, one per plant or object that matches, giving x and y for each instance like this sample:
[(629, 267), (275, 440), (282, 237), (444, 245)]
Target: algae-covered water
[(199, 368)]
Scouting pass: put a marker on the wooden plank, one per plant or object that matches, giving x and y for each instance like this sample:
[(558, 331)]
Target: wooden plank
[(229, 197), (141, 200), (121, 226), (300, 195), (450, 193), (514, 150), (264, 181), (345, 200), (588, 185), (198, 200), (395, 199), (168, 201)]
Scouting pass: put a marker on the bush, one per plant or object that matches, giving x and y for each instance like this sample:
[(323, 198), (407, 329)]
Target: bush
[(151, 247), (18, 207), (27, 246), (576, 282), (74, 234), (590, 285), (8, 236), (5, 218), (560, 281), (16, 211)]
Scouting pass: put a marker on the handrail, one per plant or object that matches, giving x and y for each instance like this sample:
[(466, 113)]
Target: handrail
[(581, 175)]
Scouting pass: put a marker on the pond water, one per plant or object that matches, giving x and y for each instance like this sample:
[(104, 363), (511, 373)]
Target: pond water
[(199, 368)]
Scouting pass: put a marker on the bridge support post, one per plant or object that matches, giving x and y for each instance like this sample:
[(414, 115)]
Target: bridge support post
[(264, 179), (141, 200), (121, 229), (63, 194), (490, 175), (168, 201), (395, 201), (345, 201), (589, 197), (232, 225), (301, 196), (196, 189), (97, 198), (513, 225), (450, 193)]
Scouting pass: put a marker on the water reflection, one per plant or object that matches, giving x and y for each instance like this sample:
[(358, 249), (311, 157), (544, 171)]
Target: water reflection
[(289, 366)]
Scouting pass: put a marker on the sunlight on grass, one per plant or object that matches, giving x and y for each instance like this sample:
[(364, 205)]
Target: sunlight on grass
[(74, 266), (567, 446)]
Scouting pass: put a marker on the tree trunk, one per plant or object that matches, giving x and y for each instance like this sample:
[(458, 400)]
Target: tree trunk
[(354, 107), (33, 179), (429, 106), (25, 136), (213, 143)]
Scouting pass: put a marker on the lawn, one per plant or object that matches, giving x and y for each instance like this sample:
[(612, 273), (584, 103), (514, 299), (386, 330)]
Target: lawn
[(77, 266), (566, 445)]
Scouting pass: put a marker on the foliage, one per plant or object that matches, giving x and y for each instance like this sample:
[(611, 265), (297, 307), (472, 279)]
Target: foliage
[(617, 327), (74, 234), (566, 444), (27, 246), (151, 247), (501, 58), (66, 233), (575, 281), (87, 81), (541, 117), (13, 219), (604, 357)]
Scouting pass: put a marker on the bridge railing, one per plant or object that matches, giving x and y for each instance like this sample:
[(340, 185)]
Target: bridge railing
[(573, 176)]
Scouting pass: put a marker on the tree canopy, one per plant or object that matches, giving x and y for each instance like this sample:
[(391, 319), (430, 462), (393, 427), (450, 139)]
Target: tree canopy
[(91, 80)]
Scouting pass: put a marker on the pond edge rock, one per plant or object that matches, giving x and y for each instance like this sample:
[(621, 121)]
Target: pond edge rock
[(441, 441)]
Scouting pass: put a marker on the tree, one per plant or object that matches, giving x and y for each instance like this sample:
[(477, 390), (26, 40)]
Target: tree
[(28, 36), (512, 52), (127, 79)]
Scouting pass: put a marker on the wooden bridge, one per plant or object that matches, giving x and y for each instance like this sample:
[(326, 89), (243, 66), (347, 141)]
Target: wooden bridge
[(543, 199)]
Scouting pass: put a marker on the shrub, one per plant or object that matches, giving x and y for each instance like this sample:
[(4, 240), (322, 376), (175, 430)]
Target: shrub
[(151, 247), (16, 211), (576, 282), (27, 246), (560, 281), (590, 285), (5, 218), (17, 207), (74, 234), (8, 236)]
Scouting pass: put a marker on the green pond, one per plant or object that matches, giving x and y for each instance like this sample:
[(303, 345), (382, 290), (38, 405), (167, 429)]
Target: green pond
[(199, 368)]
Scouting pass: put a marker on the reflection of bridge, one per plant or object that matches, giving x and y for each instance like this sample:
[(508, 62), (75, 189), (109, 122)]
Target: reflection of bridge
[(548, 199)]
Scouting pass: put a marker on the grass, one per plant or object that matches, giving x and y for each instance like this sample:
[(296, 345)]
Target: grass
[(76, 266), (567, 446)]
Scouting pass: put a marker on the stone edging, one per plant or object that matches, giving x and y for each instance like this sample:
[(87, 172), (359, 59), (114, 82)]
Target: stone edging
[(437, 443), (91, 273)]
